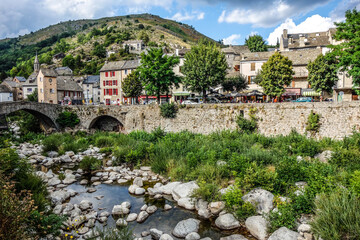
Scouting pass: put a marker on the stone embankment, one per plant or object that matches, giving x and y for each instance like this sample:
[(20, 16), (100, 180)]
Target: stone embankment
[(82, 217)]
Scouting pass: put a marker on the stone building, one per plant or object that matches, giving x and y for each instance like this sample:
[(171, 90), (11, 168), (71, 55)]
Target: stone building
[(69, 91), (47, 89), (135, 46), (6, 95), (91, 89), (111, 76), (30, 85), (15, 88)]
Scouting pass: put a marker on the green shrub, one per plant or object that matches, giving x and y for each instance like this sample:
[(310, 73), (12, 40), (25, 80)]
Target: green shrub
[(123, 233), (52, 142), (337, 216), (46, 224), (258, 176), (121, 153), (245, 125), (233, 201), (355, 182), (313, 123), (67, 119), (285, 216), (104, 141), (207, 191), (168, 110), (89, 164)]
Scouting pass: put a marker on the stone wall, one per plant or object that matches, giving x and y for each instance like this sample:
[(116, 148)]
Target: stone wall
[(337, 120)]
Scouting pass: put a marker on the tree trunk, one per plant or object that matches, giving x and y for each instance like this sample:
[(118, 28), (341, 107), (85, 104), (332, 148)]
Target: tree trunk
[(158, 98), (204, 95), (147, 98), (167, 98)]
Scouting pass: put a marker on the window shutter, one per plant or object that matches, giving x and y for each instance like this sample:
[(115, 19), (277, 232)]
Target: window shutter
[(106, 74), (104, 92), (293, 84), (104, 83), (113, 74), (249, 79)]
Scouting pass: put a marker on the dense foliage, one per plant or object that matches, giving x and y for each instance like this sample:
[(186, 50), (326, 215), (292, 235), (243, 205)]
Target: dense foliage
[(131, 85), (348, 32), (256, 43), (156, 72), (168, 110), (275, 74), (236, 83), (322, 73), (67, 119), (204, 67)]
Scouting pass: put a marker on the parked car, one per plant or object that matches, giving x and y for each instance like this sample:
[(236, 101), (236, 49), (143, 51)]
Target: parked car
[(189, 102), (304, 99)]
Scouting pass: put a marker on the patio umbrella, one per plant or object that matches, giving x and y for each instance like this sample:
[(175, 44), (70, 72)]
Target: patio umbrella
[(255, 93)]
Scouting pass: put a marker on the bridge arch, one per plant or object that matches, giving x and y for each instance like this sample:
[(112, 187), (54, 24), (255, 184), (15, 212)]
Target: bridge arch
[(106, 123), (45, 113)]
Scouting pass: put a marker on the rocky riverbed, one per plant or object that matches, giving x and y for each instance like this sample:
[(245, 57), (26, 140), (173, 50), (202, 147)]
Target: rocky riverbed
[(151, 205)]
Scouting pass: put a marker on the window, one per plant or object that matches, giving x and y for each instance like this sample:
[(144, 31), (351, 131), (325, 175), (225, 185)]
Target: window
[(110, 83), (126, 71), (29, 89), (52, 90), (104, 83), (252, 66), (114, 83), (237, 68), (251, 79), (87, 85), (41, 90), (40, 79), (110, 92), (113, 74)]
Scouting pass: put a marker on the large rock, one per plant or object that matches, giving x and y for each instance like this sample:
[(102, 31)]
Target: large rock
[(216, 207), (183, 228), (139, 191), (168, 188), (52, 154), (192, 236), (138, 181), (59, 196), (325, 156), (227, 222), (187, 203), (85, 204), (131, 217), (69, 179), (143, 215), (120, 210), (166, 237), (257, 226), (284, 233), (234, 237), (261, 199), (155, 233), (184, 190), (54, 181)]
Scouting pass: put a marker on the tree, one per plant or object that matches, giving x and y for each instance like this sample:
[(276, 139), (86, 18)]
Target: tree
[(348, 51), (275, 74), (236, 83), (143, 36), (131, 85), (33, 97), (69, 61), (156, 72), (204, 67), (256, 43), (99, 50), (322, 73)]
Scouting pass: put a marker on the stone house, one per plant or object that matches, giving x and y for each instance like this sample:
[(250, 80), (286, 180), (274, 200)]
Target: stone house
[(6, 95), (135, 46), (15, 88), (111, 77), (91, 89), (55, 88)]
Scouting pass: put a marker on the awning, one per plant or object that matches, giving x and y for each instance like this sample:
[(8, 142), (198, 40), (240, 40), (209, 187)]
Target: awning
[(311, 94), (181, 94)]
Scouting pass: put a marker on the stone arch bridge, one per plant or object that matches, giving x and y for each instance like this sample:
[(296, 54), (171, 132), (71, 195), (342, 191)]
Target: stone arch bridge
[(108, 118)]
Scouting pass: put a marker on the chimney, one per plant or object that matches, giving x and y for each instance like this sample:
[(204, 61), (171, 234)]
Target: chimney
[(285, 33), (302, 41), (290, 40), (177, 52)]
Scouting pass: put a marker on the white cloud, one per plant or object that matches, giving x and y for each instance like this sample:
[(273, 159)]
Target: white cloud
[(232, 39), (188, 16), (267, 13), (338, 14), (315, 23)]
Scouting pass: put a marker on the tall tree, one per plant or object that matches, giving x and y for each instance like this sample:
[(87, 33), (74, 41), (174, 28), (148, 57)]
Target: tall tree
[(156, 72), (348, 51), (275, 74), (236, 83), (322, 73), (256, 43), (132, 86), (204, 67)]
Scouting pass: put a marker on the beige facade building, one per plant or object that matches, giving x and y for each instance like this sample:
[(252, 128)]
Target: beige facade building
[(47, 89), (111, 76)]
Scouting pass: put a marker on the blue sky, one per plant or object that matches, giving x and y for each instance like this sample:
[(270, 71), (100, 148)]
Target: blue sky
[(231, 20)]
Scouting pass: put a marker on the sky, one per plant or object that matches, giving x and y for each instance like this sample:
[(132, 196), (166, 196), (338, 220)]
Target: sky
[(230, 20)]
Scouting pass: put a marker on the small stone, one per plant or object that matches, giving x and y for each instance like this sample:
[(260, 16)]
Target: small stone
[(138, 181), (151, 209), (139, 191), (227, 222), (142, 216), (166, 237), (85, 204), (155, 233), (183, 228), (121, 222), (192, 236), (91, 190), (144, 207), (131, 217), (167, 207)]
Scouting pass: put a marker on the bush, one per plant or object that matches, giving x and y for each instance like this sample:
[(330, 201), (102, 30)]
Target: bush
[(245, 125), (285, 216), (52, 143), (168, 110), (313, 123), (89, 164), (67, 119), (207, 191), (123, 233), (258, 176), (355, 182), (104, 141), (337, 216), (233, 201)]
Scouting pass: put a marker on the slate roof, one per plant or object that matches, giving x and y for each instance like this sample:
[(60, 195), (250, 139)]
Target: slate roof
[(92, 79), (67, 83), (236, 49), (48, 72), (311, 40), (120, 65), (21, 79), (64, 71), (4, 89), (11, 84), (300, 57)]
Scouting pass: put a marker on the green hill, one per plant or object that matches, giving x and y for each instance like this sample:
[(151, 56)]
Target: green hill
[(86, 42)]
